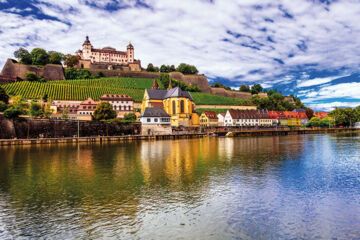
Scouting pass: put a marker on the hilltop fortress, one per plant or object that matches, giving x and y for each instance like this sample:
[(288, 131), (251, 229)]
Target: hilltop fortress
[(107, 58)]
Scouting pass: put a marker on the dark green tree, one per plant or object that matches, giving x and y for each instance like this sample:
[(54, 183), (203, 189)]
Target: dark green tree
[(314, 122), (172, 68), (3, 106), (55, 57), (164, 68), (31, 76), (104, 111), (187, 69), (244, 88), (130, 117), (12, 113), (39, 56), (3, 96), (150, 68), (256, 88), (23, 56), (309, 113), (35, 109), (45, 97)]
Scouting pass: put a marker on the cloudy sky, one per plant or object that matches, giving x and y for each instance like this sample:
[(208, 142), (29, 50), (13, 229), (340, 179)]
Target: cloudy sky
[(310, 48)]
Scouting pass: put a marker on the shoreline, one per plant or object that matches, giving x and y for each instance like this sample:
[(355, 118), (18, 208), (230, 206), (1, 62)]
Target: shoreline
[(130, 138)]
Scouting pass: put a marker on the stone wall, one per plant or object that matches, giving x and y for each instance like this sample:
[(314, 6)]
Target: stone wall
[(49, 72), (7, 79), (228, 93), (156, 129), (199, 80), (45, 128)]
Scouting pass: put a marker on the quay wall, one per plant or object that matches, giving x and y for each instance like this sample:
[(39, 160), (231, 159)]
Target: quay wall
[(50, 128)]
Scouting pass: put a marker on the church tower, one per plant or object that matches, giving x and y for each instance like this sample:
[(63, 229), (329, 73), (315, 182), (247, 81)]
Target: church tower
[(86, 49), (130, 53)]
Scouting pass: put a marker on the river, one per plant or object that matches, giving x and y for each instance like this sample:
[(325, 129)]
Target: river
[(288, 187)]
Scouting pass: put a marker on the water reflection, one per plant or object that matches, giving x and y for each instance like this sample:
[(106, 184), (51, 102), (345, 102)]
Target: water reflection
[(210, 188)]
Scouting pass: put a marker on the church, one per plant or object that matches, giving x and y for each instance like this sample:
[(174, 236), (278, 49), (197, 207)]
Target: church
[(107, 57), (178, 104)]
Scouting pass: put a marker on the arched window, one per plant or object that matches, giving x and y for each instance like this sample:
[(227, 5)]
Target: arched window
[(173, 107), (182, 106)]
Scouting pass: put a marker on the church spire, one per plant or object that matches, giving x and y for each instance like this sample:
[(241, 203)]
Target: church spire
[(155, 85), (170, 84)]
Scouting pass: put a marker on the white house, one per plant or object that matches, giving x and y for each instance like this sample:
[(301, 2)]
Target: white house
[(242, 118), (221, 119), (155, 121), (120, 103)]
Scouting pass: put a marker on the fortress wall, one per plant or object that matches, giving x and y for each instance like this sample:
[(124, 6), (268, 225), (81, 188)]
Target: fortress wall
[(228, 93), (114, 73), (50, 71), (199, 80)]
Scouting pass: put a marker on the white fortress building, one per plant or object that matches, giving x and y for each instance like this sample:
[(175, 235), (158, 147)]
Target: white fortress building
[(107, 57)]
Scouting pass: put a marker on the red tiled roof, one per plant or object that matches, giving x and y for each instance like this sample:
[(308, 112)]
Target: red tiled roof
[(157, 105), (210, 114), (107, 50), (113, 97)]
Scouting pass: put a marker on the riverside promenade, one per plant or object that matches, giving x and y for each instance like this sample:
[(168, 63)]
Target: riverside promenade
[(241, 133)]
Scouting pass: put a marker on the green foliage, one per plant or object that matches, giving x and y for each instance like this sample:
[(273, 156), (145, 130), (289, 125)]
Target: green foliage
[(130, 117), (327, 122), (346, 116), (65, 113), (150, 68), (55, 57), (244, 88), (35, 109), (3, 106), (74, 73), (46, 111), (45, 97), (274, 102), (39, 56), (164, 78), (256, 88), (31, 76), (220, 85), (23, 56), (104, 111), (12, 113), (70, 60), (3, 95), (187, 69), (298, 103), (216, 110), (19, 104), (314, 122), (210, 99)]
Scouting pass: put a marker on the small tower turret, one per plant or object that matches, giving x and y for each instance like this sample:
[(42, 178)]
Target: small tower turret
[(130, 52), (155, 85), (86, 49)]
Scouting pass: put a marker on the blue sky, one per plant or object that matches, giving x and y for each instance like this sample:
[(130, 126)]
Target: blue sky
[(307, 48)]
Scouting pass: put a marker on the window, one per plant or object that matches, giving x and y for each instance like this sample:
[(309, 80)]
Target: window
[(148, 120), (173, 107), (155, 120), (182, 106)]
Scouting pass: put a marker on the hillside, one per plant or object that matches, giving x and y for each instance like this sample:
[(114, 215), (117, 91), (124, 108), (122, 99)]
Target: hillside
[(95, 88)]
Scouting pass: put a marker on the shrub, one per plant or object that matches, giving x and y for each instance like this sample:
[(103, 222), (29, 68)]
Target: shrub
[(12, 113), (35, 109), (3, 106), (131, 117), (104, 111), (31, 76)]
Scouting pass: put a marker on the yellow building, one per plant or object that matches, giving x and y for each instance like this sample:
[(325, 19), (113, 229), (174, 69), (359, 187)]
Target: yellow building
[(176, 102), (209, 119), (294, 122)]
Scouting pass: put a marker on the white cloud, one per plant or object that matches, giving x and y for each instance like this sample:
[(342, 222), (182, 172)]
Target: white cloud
[(316, 81), (328, 107)]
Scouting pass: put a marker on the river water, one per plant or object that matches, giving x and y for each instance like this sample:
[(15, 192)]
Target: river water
[(290, 187)]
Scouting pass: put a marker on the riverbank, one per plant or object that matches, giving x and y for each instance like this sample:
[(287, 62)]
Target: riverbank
[(101, 139)]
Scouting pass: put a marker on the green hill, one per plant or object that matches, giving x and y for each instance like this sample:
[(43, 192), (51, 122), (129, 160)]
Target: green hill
[(95, 88)]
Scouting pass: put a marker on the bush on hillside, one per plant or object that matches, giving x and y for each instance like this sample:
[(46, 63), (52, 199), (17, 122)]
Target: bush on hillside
[(187, 69)]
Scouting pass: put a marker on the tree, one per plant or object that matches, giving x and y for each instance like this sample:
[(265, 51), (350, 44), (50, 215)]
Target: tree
[(187, 69), (244, 88), (73, 73), (55, 57), (314, 122), (104, 111), (70, 60), (3, 106), (131, 117), (150, 68), (35, 109), (344, 116), (45, 97), (39, 56), (172, 68), (309, 113), (164, 78), (65, 113), (46, 111), (12, 113), (3, 96), (23, 56), (31, 76), (164, 68), (256, 88), (327, 122), (20, 104)]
